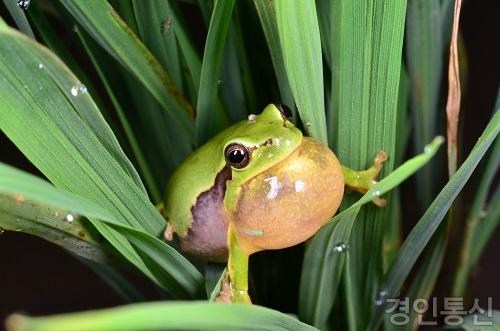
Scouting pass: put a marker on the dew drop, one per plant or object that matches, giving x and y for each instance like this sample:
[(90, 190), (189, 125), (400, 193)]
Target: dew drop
[(23, 4), (340, 247), (40, 66), (220, 82), (78, 89), (427, 149), (376, 193), (70, 217), (308, 124), (381, 298), (2, 231)]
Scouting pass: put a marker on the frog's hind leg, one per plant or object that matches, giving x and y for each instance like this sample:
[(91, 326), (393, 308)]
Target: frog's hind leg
[(235, 286), (362, 181)]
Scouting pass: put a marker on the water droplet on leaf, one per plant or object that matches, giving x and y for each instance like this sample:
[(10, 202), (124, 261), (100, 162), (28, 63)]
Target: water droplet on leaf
[(2, 231), (70, 217), (381, 298), (341, 247), (376, 193), (23, 4), (40, 66), (78, 89)]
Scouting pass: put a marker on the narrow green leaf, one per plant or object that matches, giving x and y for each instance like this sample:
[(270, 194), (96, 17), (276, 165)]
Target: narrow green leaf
[(425, 279), (21, 215), (163, 316), (52, 40), (157, 260), (482, 220), (301, 46), (131, 138), (109, 30), (156, 25), (325, 254), (267, 16), (487, 227), (209, 120), (324, 258), (68, 139), (424, 53), (53, 121), (429, 222), (325, 28), (367, 41), (19, 17), (237, 85), (188, 52)]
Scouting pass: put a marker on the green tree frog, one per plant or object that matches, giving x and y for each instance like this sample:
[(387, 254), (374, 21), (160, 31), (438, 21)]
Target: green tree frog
[(258, 185)]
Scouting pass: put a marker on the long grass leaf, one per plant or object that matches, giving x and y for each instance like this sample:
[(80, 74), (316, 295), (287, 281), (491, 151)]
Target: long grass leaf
[(131, 138), (479, 219), (267, 16), (157, 260), (424, 54), (19, 17), (429, 222), (109, 30), (52, 119), (156, 25), (164, 316), (209, 118), (301, 46), (367, 42)]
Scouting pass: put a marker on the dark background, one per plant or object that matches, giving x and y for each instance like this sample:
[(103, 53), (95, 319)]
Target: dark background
[(39, 278)]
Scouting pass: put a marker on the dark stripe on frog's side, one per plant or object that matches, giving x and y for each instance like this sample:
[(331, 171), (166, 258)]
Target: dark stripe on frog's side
[(206, 237)]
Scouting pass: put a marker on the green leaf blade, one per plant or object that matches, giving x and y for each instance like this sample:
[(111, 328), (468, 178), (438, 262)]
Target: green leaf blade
[(164, 316), (109, 30), (209, 118), (429, 222), (301, 46)]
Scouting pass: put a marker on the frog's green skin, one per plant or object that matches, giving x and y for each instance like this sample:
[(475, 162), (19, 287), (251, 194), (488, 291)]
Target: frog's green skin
[(220, 212), (272, 138)]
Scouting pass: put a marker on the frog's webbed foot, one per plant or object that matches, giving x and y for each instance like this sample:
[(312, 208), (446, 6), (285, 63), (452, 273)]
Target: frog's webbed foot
[(363, 181), (228, 294)]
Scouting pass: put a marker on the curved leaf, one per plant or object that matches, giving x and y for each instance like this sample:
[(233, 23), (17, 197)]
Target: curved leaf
[(209, 117), (157, 260), (429, 222), (163, 316), (109, 30)]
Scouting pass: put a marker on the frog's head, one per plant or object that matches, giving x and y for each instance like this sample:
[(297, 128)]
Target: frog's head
[(283, 187)]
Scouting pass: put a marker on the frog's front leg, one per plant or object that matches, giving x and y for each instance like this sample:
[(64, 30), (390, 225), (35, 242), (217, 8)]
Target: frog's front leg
[(237, 266), (362, 181)]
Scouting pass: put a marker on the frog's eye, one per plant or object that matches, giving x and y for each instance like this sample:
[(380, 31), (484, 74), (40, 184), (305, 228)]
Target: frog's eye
[(237, 155), (286, 113)]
